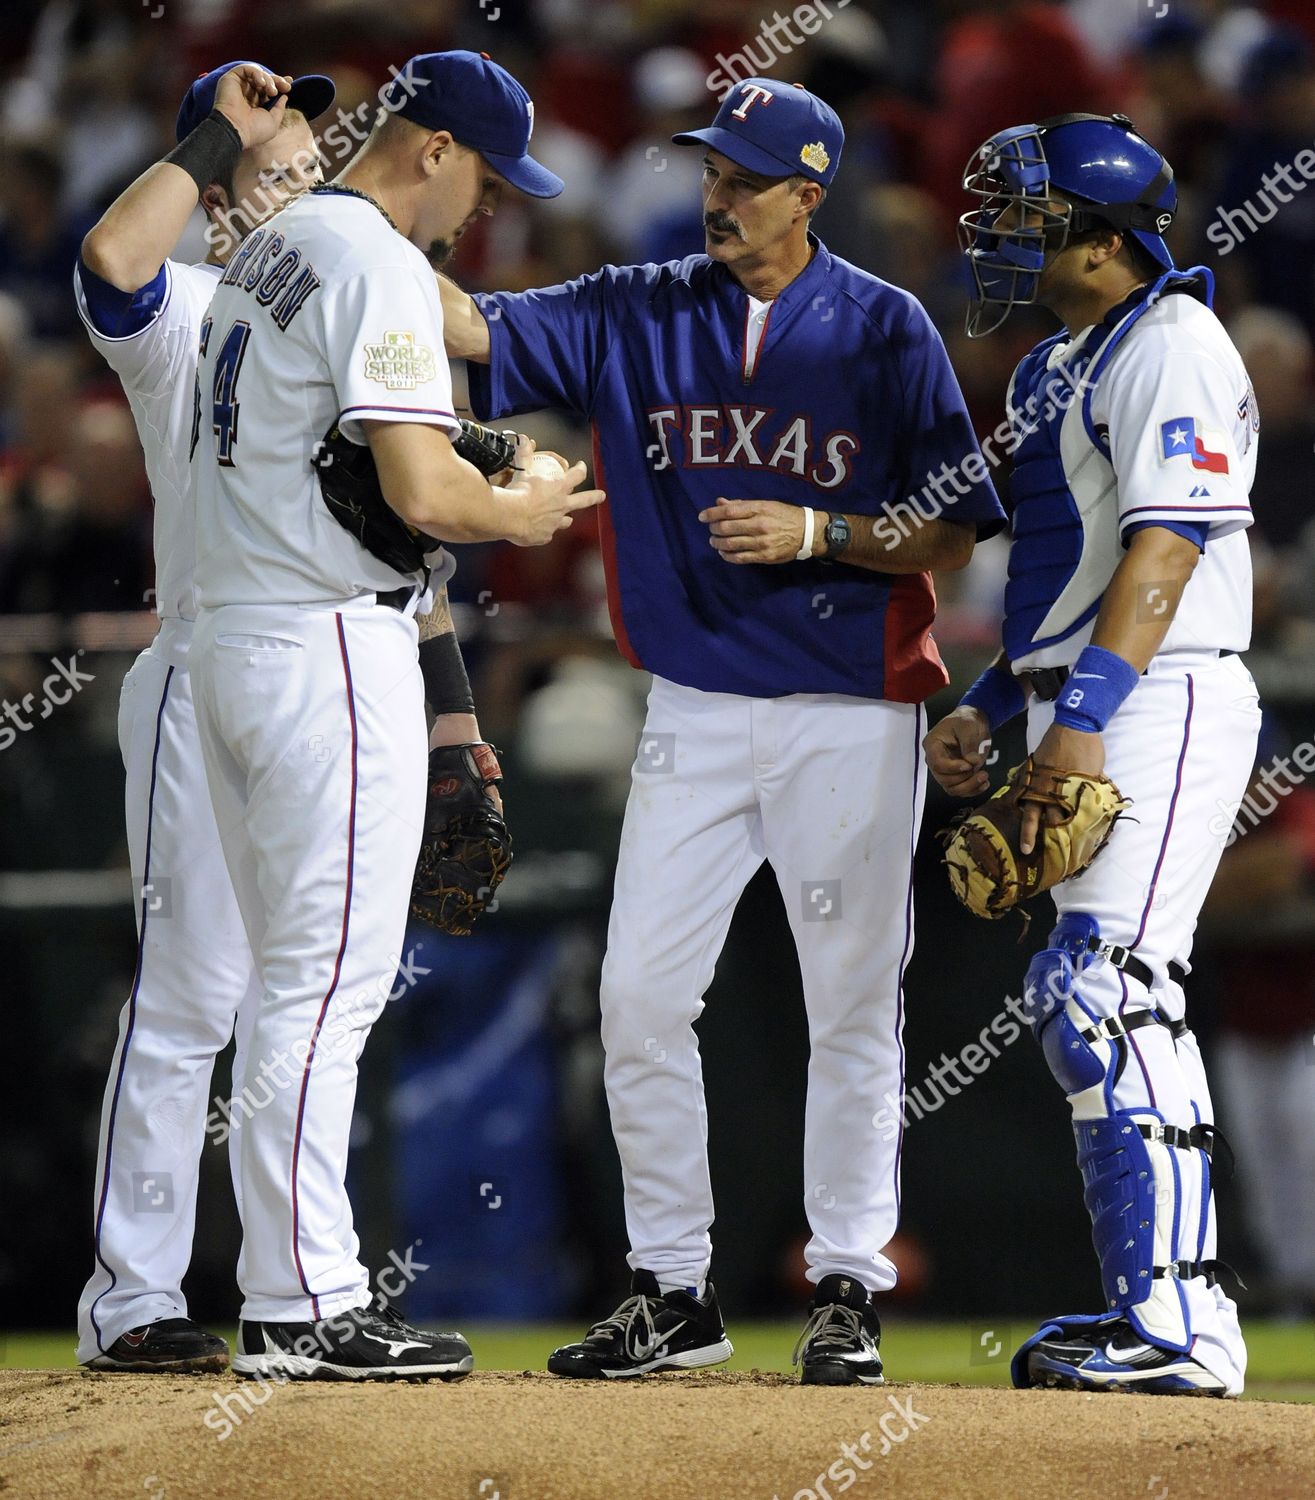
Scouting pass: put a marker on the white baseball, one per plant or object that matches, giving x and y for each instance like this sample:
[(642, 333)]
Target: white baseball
[(546, 465)]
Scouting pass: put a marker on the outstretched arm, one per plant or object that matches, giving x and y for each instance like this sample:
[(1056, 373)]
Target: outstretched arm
[(465, 333)]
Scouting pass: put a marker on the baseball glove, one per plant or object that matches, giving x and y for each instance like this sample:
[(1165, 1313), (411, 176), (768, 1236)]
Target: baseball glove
[(466, 849), (349, 483), (489, 451), (990, 873)]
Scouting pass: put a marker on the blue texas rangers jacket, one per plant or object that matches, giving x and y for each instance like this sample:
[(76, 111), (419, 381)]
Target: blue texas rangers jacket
[(850, 405)]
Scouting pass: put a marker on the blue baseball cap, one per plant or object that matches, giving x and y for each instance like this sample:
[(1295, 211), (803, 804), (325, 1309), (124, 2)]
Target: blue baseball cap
[(312, 95), (774, 128), (483, 107)]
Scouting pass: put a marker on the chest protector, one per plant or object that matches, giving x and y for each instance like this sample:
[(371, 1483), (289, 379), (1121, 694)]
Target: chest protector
[(1048, 531)]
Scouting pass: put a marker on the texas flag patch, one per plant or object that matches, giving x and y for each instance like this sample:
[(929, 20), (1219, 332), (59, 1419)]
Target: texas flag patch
[(1181, 439)]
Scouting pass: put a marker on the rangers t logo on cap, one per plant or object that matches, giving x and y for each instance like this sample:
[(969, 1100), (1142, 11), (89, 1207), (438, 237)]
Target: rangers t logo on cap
[(767, 140)]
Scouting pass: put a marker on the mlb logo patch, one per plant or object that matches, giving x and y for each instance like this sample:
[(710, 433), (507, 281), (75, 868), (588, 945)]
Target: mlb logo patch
[(1181, 438)]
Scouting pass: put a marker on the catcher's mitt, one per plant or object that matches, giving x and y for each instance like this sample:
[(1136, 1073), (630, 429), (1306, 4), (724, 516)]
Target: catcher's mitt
[(989, 872), (466, 849), (349, 483)]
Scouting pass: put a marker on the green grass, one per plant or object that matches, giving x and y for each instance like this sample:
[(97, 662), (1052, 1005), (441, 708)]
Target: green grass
[(1282, 1355)]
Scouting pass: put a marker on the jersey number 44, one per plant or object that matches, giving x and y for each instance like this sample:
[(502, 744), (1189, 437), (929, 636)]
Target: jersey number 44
[(223, 395)]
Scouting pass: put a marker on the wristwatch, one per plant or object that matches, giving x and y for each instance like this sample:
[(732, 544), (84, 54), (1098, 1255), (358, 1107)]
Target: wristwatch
[(836, 536)]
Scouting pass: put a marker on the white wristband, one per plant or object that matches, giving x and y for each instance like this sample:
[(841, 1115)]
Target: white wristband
[(810, 521)]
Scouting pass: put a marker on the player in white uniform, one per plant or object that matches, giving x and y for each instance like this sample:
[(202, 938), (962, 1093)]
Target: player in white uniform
[(143, 312), (308, 692), (1129, 597)]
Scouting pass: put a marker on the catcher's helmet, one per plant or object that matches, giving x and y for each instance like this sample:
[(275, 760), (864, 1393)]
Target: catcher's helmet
[(1106, 173)]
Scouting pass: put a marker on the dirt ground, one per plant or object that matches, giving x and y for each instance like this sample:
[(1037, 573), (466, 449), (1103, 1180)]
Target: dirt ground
[(499, 1436)]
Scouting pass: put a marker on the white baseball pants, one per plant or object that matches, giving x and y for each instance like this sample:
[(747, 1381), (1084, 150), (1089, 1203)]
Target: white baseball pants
[(313, 730), (830, 790), (1181, 747), (193, 978)]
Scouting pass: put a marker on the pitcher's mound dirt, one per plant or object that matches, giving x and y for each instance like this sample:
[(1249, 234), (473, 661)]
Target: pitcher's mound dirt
[(68, 1435)]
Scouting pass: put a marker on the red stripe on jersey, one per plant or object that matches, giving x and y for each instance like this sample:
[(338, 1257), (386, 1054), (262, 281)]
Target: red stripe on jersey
[(607, 537), (914, 669)]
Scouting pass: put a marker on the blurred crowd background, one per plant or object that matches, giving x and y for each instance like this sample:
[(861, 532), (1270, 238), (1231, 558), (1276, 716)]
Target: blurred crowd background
[(482, 1129)]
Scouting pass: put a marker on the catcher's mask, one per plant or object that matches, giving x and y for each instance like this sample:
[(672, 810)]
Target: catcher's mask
[(1108, 175)]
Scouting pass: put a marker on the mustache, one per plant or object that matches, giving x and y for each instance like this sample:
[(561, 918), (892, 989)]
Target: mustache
[(723, 223)]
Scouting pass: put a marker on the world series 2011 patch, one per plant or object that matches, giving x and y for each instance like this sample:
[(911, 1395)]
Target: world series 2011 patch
[(398, 362)]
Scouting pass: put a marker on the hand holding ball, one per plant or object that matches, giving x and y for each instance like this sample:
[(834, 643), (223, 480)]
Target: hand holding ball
[(549, 504), (546, 464)]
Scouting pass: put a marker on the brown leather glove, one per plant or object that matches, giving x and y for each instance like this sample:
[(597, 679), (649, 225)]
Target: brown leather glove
[(990, 873)]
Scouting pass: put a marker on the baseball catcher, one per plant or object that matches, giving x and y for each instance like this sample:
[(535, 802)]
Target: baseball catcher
[(1133, 439)]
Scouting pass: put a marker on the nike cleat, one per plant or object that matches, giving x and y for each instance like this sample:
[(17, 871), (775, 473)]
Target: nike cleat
[(651, 1330), (1110, 1356), (840, 1342)]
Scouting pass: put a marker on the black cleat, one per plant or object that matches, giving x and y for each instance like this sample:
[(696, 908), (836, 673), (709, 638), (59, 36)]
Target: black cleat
[(169, 1346), (651, 1330), (365, 1343), (839, 1344)]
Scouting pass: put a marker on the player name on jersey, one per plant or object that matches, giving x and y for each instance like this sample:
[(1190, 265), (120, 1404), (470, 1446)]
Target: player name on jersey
[(279, 278), (749, 437)]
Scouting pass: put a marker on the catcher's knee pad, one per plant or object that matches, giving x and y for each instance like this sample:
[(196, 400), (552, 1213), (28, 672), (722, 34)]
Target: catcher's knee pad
[(1059, 1020), (1083, 1049)]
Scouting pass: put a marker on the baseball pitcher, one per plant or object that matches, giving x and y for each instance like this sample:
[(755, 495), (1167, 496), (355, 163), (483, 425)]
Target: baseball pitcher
[(326, 325)]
